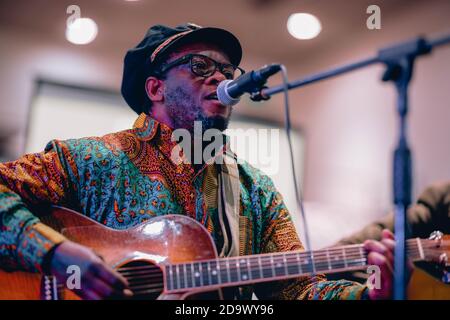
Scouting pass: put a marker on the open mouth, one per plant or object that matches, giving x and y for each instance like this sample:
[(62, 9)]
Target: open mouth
[(212, 96)]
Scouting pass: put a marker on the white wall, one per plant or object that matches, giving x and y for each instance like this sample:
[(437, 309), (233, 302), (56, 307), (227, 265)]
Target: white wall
[(350, 122)]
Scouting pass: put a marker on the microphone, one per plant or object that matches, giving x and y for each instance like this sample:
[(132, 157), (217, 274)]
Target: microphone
[(230, 91)]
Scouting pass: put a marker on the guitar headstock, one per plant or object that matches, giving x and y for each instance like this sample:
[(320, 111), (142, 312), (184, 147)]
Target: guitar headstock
[(441, 249), (436, 250)]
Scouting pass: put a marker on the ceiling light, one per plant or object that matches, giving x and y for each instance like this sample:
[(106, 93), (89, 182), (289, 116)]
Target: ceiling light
[(81, 31), (303, 26)]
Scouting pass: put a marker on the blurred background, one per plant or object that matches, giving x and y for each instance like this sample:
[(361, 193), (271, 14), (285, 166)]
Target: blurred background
[(346, 127)]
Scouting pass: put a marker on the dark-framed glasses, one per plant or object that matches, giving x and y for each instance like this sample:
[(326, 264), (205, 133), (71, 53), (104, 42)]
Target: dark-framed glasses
[(204, 66)]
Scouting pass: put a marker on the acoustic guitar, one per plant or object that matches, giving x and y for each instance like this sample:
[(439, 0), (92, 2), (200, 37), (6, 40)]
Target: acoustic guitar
[(174, 257)]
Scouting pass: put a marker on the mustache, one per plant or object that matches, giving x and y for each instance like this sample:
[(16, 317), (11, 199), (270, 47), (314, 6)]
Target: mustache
[(184, 108)]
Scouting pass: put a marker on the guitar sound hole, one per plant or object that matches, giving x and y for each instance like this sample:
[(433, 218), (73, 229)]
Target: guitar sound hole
[(145, 279)]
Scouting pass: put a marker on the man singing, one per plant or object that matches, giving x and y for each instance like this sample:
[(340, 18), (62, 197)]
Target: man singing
[(123, 179)]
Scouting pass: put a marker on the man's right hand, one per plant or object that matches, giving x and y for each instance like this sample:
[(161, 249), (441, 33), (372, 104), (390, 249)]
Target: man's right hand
[(98, 280)]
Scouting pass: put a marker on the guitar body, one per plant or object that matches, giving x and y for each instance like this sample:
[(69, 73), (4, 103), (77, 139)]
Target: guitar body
[(142, 253), (167, 239), (422, 286)]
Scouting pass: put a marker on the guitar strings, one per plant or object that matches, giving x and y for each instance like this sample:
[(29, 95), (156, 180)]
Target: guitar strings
[(139, 288), (291, 261), (352, 257), (318, 256)]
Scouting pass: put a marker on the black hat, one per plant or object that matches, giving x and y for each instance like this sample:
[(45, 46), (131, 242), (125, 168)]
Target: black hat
[(158, 41)]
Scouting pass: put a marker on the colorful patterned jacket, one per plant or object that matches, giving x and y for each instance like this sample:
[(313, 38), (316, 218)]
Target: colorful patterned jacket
[(125, 178)]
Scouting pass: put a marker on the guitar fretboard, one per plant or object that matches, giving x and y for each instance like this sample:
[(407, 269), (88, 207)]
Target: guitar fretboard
[(262, 267), (267, 267)]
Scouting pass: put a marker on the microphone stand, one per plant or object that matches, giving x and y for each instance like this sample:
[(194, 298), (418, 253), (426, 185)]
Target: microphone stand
[(399, 61)]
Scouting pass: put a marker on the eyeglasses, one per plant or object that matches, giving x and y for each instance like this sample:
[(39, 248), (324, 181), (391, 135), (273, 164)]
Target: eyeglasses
[(204, 66)]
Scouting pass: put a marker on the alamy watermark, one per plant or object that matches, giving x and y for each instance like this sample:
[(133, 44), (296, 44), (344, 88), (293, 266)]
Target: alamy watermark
[(373, 22), (74, 279), (75, 13), (374, 280), (260, 147)]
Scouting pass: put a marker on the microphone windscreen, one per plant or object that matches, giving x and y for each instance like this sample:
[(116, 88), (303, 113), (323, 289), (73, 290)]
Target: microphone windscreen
[(223, 95)]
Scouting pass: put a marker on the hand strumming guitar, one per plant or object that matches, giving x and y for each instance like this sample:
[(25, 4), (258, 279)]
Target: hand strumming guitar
[(98, 280)]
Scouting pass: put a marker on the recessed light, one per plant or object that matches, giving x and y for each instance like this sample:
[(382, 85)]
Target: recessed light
[(303, 26), (81, 31)]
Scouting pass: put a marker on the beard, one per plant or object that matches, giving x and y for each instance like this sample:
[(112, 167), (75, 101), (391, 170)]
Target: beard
[(184, 110)]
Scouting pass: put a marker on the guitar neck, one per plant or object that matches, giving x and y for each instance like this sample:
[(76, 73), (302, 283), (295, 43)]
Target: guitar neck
[(268, 267)]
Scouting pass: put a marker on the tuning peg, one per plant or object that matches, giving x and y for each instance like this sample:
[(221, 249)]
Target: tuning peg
[(436, 235)]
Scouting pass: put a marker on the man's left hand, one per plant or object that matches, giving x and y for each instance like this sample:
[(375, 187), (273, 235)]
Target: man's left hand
[(381, 253)]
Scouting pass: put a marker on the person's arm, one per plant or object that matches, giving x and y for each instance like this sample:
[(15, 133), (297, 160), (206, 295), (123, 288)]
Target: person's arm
[(34, 179), (50, 177), (371, 231), (280, 235), (428, 214), (431, 211)]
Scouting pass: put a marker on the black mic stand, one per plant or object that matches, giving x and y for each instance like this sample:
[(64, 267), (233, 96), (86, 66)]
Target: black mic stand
[(399, 61)]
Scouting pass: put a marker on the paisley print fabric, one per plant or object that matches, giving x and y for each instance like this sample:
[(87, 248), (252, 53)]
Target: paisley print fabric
[(125, 178)]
